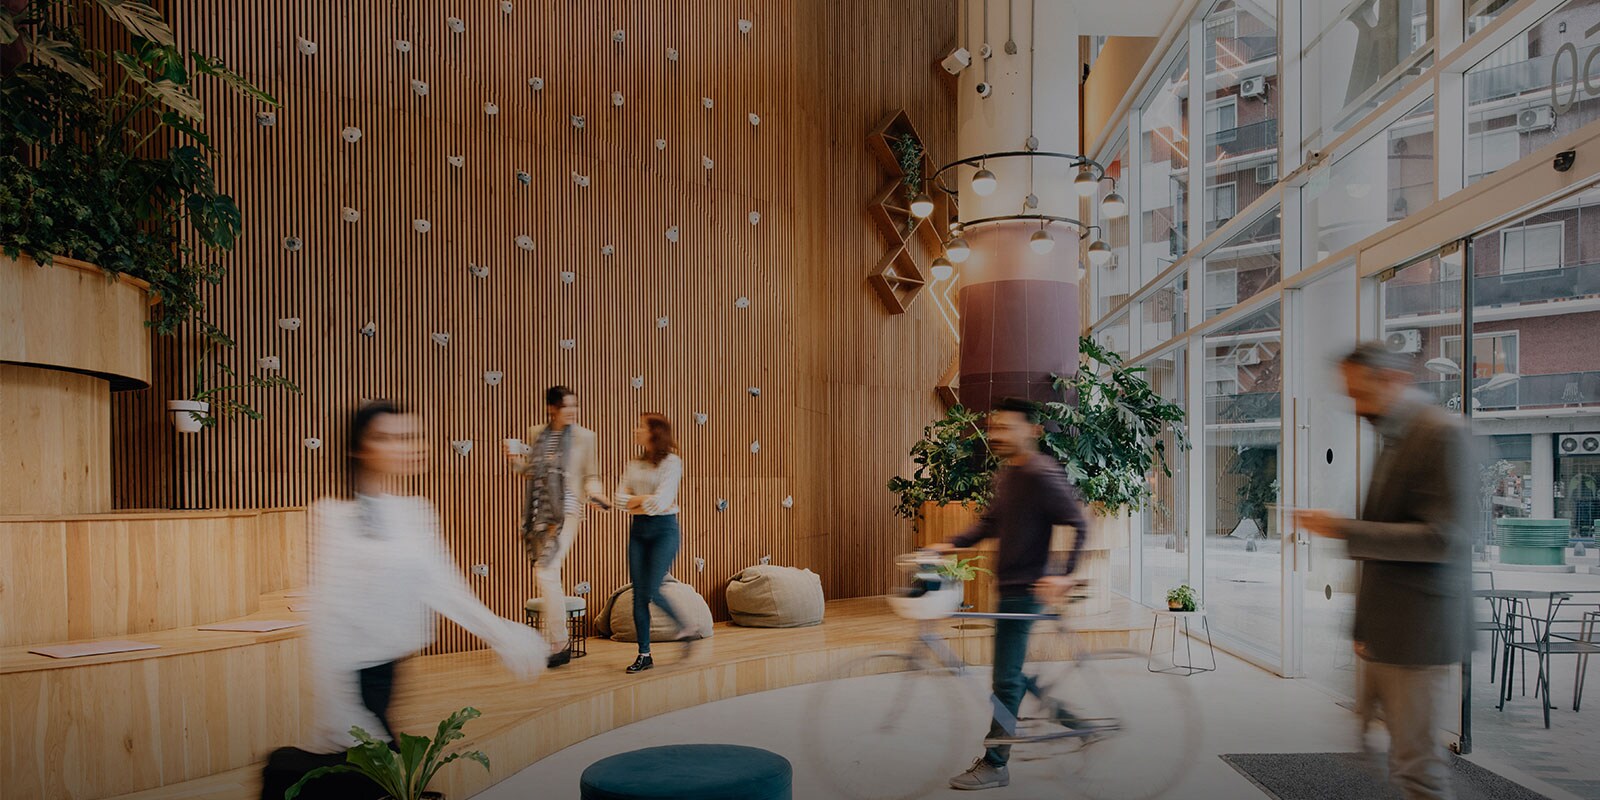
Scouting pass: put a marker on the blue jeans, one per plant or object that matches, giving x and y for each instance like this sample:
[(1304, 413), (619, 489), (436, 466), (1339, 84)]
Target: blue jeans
[(652, 546), (1010, 651)]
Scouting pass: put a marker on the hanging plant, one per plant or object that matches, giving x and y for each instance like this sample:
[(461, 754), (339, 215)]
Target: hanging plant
[(908, 151), (102, 156)]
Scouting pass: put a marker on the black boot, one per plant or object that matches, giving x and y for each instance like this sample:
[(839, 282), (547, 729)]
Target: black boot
[(642, 663), (560, 658)]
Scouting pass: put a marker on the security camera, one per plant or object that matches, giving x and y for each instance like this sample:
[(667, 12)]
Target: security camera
[(959, 59), (985, 88), (1565, 159)]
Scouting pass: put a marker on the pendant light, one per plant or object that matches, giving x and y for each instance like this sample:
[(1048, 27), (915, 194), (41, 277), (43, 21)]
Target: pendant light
[(1113, 206), (1086, 183), (958, 249), (984, 181), (922, 206), (942, 269), (1041, 241), (1099, 253)]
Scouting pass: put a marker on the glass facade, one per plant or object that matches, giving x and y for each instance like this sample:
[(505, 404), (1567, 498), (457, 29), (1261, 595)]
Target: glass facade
[(1242, 93), (1163, 185), (1354, 54)]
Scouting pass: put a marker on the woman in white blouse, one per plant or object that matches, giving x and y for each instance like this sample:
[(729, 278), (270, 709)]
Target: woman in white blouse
[(379, 574), (649, 491)]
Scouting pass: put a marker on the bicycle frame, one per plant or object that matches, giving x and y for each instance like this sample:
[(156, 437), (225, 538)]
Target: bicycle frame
[(947, 658)]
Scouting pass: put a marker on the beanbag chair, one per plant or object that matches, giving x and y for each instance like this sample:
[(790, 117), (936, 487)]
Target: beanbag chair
[(615, 620), (767, 596)]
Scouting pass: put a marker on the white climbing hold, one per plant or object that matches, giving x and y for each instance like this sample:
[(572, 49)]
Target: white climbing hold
[(402, 45), (755, 218), (490, 108), (419, 88), (266, 119), (788, 501), (661, 144), (477, 271), (754, 119), (755, 446), (581, 180), (607, 250), (706, 101), (616, 99), (637, 382), (745, 26), (271, 363), (742, 302), (289, 323), (577, 121), (293, 244), (661, 322), (461, 446), (349, 214), (369, 330), (568, 344), (619, 36), (456, 25), (700, 417), (305, 46), (421, 225), (568, 276), (766, 559), (524, 178), (581, 589), (672, 234), (493, 377), (706, 162), (755, 391), (456, 161), (313, 443), (699, 564), (525, 242), (351, 134), (536, 83), (672, 54), (440, 338), (722, 504), (505, 6)]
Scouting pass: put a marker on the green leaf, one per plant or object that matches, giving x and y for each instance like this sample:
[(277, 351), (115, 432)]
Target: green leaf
[(63, 57), (8, 27), (176, 97), (294, 791), (215, 68), (140, 19), (181, 125)]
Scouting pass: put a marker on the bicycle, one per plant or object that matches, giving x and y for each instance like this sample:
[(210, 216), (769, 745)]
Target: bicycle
[(905, 738)]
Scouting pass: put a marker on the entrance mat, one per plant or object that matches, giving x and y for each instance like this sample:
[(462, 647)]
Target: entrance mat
[(1352, 776)]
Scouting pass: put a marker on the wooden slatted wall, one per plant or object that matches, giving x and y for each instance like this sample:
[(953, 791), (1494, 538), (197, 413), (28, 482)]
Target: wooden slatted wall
[(843, 387)]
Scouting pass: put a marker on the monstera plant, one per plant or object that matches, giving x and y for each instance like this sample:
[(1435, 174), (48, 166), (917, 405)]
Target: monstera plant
[(103, 155), (953, 465)]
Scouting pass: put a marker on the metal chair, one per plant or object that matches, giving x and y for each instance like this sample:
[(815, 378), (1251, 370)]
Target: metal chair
[(1568, 627), (1494, 625)]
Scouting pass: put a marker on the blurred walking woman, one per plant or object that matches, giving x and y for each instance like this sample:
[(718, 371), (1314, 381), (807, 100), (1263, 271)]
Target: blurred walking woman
[(379, 574), (649, 491)]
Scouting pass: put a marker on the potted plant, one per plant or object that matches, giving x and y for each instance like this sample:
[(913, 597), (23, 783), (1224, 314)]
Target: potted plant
[(1258, 467), (214, 383), (949, 485), (962, 569), (908, 151), (405, 775), (1181, 599)]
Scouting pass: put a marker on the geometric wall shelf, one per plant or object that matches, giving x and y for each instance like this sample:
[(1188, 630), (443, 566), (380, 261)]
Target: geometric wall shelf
[(902, 273)]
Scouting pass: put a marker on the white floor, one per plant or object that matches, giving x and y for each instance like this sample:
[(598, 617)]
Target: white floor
[(1242, 709)]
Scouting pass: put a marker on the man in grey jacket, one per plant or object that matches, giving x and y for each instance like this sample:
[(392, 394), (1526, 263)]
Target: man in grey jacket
[(1412, 621)]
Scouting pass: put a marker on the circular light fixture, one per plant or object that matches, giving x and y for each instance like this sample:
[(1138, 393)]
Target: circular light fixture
[(922, 206), (942, 269), (984, 182), (1099, 253), (958, 250), (1113, 206), (1085, 183), (1041, 242)]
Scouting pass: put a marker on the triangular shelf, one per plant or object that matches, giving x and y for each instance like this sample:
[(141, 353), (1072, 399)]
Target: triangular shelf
[(898, 277)]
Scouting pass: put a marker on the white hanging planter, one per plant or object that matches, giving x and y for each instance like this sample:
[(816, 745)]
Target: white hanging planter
[(188, 416)]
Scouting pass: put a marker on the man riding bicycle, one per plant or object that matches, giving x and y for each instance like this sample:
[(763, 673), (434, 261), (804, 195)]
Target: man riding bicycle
[(1032, 495)]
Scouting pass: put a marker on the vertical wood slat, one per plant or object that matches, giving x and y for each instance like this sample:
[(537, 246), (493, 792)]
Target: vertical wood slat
[(845, 388)]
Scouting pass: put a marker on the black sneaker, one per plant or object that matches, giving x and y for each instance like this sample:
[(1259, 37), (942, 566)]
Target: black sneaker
[(640, 664), (560, 659)]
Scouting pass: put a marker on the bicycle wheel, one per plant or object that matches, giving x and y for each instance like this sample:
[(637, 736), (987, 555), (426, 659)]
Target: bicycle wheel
[(890, 727), (1130, 734)]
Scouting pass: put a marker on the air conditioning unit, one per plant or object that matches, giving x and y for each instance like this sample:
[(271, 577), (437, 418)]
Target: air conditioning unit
[(1253, 87), (1579, 444), (1536, 118), (1267, 174), (1404, 341)]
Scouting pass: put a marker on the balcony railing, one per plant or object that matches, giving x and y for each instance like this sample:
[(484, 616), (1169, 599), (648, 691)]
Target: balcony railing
[(1253, 138), (1579, 280), (1244, 407), (1558, 390), (1240, 50)]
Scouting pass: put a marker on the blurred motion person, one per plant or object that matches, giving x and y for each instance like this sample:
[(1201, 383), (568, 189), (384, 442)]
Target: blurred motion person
[(649, 491), (1412, 620), (379, 574), (560, 467), (1031, 496)]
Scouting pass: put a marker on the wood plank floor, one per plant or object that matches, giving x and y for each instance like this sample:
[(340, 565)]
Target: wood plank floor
[(523, 723)]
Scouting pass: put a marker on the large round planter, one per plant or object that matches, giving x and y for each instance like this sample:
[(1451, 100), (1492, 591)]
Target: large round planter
[(188, 416), (68, 338)]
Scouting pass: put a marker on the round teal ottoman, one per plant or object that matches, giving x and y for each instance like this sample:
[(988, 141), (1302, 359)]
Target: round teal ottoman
[(683, 771)]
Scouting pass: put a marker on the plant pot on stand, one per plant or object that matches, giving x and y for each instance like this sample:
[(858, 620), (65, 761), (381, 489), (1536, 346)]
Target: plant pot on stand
[(188, 416)]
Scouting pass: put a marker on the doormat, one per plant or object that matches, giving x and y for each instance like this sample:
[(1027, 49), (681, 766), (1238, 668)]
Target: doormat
[(1352, 776)]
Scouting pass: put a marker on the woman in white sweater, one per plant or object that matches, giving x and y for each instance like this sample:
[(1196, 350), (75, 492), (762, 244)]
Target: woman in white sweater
[(649, 491), (379, 575)]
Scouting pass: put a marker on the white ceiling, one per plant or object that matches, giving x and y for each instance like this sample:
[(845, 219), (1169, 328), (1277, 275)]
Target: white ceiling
[(1122, 17)]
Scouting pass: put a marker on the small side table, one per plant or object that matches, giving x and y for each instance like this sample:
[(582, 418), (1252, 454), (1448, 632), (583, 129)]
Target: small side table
[(577, 622), (1189, 667)]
